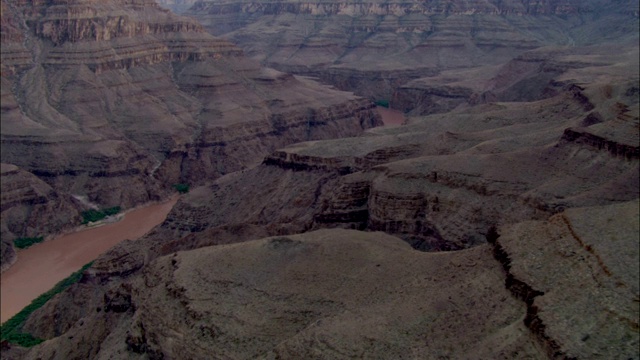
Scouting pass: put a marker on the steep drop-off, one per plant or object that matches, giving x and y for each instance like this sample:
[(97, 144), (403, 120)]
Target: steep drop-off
[(375, 47), (441, 180), (527, 212), (29, 207), (116, 101)]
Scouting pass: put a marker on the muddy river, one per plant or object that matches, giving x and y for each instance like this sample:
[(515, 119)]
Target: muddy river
[(391, 117), (41, 266)]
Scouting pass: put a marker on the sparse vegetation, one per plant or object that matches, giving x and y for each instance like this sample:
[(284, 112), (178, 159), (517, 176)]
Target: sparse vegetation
[(96, 215), (11, 329), (25, 242), (112, 211), (182, 188), (383, 103)]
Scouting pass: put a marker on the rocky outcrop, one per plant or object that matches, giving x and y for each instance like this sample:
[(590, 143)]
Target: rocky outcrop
[(519, 305), (531, 76), (117, 101), (588, 254), (582, 136), (369, 82), (429, 99), (375, 48), (284, 315), (31, 208), (400, 9), (436, 188), (14, 53), (451, 182)]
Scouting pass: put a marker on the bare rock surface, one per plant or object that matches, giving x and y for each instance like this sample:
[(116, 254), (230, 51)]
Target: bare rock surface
[(374, 48), (116, 101), (30, 208), (442, 180), (522, 199), (583, 300), (350, 294), (371, 296), (526, 214)]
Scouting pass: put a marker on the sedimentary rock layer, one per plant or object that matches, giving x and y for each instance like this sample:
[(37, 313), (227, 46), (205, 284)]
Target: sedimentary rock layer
[(368, 295), (373, 48), (117, 101), (255, 299), (30, 208), (441, 181), (489, 193)]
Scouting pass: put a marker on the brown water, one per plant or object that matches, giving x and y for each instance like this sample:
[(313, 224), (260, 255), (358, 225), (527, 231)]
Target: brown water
[(391, 117), (43, 265)]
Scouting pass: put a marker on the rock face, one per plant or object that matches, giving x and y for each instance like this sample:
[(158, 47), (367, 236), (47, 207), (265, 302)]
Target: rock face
[(116, 101), (526, 214), (169, 312), (441, 181), (371, 296), (177, 6), (574, 244), (374, 48), (30, 207)]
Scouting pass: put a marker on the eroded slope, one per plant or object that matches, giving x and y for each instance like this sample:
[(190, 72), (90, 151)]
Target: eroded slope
[(117, 101), (371, 296), (373, 48)]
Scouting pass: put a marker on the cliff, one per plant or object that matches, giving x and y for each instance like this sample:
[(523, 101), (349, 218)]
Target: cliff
[(438, 182), (373, 48), (31, 208), (487, 193), (256, 298), (177, 6), (117, 101)]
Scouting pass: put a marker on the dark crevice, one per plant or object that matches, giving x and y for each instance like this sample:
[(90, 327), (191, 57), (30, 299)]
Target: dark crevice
[(298, 166), (523, 291)]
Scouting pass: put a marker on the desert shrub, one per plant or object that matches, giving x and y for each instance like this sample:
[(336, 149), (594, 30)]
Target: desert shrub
[(23, 339), (11, 329), (112, 210), (92, 216), (383, 103), (25, 242), (182, 188), (96, 215)]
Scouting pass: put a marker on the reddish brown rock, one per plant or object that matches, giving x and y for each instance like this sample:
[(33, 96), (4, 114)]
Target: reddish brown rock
[(31, 208), (375, 48), (583, 299), (117, 101), (525, 231)]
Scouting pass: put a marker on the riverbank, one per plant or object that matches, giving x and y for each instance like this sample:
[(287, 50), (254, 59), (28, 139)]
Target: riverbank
[(41, 266)]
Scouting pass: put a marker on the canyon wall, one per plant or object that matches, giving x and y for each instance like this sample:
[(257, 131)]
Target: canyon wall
[(117, 101), (504, 228), (30, 208), (177, 6), (523, 228), (375, 48)]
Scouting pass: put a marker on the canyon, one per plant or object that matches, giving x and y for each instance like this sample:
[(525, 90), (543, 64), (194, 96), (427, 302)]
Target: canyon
[(376, 48), (495, 215), (42, 266), (132, 100)]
